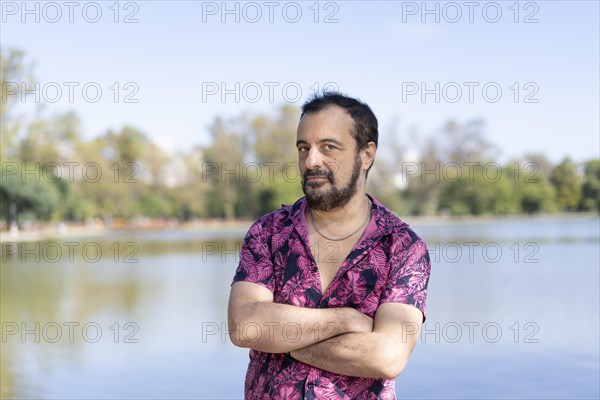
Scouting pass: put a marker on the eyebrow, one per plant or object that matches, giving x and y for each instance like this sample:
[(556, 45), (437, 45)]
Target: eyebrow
[(298, 142)]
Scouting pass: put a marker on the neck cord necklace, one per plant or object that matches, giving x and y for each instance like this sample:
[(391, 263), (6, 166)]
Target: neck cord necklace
[(312, 221)]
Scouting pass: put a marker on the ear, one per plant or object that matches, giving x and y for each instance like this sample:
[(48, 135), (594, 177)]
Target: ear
[(367, 155)]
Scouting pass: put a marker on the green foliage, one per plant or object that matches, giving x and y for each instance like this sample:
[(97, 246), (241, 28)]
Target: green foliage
[(590, 191), (283, 190), (154, 204), (515, 190), (249, 168), (27, 193), (532, 191), (477, 194), (567, 185), (222, 167), (13, 70)]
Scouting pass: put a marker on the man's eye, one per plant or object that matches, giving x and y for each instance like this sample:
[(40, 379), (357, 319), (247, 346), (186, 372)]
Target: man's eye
[(302, 149), (329, 147)]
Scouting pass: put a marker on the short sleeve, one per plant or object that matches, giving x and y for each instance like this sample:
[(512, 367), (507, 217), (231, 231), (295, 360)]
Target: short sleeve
[(256, 264), (409, 275)]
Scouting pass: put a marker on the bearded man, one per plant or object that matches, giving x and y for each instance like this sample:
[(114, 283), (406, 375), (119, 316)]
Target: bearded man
[(330, 292)]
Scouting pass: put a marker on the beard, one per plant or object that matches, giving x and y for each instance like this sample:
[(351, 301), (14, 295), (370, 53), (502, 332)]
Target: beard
[(327, 200)]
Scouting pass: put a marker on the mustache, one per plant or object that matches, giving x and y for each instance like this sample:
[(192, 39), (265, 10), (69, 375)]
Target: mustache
[(318, 172)]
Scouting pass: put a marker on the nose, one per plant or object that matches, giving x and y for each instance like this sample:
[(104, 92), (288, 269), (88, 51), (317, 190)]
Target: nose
[(314, 159)]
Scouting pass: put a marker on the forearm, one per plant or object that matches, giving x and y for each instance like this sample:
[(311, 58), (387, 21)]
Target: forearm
[(368, 355), (280, 328)]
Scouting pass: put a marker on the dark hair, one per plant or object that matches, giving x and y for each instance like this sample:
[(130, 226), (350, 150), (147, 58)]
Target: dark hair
[(365, 122)]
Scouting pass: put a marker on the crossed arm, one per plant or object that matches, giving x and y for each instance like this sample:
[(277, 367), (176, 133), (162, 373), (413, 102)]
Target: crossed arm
[(339, 340)]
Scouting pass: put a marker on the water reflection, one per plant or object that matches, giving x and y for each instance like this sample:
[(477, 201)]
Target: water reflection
[(146, 319)]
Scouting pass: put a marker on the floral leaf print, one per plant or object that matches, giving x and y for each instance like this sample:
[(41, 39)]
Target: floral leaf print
[(293, 291), (389, 263)]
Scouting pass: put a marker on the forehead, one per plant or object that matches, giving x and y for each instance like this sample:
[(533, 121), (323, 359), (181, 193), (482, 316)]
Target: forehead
[(332, 121)]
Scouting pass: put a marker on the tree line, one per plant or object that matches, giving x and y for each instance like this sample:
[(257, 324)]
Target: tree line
[(50, 172)]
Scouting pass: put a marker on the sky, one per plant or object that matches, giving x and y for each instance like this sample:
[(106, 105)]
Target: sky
[(530, 70)]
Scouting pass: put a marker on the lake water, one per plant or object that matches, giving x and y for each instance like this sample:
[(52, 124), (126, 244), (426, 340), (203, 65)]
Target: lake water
[(513, 312)]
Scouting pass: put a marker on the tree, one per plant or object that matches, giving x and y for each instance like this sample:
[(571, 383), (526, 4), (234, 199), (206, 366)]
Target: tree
[(223, 165), (457, 148), (29, 195), (191, 193), (387, 178), (567, 184), (423, 187), (590, 191), (13, 72), (478, 194), (465, 142), (532, 191), (276, 155), (275, 140), (110, 171), (50, 140), (537, 164)]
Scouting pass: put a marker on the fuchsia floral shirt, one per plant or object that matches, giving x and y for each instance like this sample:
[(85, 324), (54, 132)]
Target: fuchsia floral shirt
[(389, 263)]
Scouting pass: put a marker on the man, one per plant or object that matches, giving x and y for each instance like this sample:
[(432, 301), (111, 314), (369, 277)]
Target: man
[(330, 291)]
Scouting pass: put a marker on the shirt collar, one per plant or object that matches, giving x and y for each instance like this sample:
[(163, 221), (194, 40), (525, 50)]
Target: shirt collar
[(386, 221)]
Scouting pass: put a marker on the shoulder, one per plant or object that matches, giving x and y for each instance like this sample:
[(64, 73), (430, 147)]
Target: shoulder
[(400, 235), (276, 220)]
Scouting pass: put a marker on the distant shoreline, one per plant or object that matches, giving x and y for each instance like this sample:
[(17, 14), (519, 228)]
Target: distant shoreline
[(471, 219), (66, 231)]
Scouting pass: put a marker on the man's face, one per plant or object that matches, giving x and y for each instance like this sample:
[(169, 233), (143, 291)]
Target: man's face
[(330, 165)]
